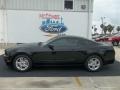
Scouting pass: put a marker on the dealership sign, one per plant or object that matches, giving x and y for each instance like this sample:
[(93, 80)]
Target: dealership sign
[(52, 23)]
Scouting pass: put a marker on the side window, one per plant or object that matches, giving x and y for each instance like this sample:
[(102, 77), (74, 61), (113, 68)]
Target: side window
[(65, 42), (59, 42), (72, 42), (68, 4), (84, 42)]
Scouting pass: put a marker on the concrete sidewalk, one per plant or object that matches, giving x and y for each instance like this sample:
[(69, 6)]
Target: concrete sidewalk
[(2, 51), (59, 83), (117, 53)]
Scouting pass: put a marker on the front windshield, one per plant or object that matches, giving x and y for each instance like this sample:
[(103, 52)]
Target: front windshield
[(48, 41)]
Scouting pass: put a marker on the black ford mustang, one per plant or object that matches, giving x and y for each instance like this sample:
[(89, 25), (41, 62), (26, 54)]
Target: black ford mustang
[(62, 50)]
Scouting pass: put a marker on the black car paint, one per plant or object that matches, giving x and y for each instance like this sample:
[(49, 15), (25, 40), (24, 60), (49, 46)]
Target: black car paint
[(41, 54)]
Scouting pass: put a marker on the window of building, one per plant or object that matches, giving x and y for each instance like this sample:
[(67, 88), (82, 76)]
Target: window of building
[(68, 4)]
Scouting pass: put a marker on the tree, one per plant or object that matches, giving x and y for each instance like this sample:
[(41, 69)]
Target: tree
[(104, 28), (95, 30), (110, 28), (118, 28)]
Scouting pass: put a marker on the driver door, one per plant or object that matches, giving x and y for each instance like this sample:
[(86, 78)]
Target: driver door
[(64, 50)]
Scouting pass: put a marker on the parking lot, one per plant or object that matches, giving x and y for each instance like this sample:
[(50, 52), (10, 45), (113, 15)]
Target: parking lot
[(62, 78)]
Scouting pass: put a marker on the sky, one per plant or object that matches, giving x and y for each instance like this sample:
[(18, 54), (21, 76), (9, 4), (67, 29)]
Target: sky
[(110, 9)]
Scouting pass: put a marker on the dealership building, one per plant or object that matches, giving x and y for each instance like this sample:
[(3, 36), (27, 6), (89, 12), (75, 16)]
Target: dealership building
[(26, 21)]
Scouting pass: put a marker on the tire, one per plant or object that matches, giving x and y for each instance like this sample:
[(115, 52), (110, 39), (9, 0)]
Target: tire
[(22, 63), (115, 43), (93, 63), (118, 43)]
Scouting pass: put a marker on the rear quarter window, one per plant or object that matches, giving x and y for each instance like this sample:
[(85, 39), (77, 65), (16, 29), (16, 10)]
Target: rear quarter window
[(85, 42)]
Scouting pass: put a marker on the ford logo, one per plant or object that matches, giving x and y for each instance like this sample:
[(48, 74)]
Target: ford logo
[(51, 26)]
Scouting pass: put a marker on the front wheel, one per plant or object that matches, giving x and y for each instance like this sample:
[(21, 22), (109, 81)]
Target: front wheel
[(115, 43), (93, 63), (22, 63)]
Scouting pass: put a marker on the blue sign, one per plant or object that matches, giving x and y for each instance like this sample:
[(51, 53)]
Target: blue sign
[(50, 25)]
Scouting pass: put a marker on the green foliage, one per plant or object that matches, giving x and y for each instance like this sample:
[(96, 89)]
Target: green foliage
[(95, 29), (104, 28), (110, 28), (118, 28)]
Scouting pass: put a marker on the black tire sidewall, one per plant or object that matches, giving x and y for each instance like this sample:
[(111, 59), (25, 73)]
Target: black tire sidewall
[(14, 63), (115, 43), (93, 56)]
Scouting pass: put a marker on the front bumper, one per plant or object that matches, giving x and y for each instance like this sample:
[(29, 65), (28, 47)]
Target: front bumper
[(7, 59)]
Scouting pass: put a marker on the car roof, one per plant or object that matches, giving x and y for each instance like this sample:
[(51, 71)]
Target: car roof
[(64, 36), (68, 36)]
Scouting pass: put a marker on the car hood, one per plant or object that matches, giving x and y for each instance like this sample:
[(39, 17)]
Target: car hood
[(24, 46), (28, 45)]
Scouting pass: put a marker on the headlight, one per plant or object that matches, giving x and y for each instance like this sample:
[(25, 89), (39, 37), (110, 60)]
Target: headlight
[(6, 52)]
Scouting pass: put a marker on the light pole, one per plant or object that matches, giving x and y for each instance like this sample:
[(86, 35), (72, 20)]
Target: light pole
[(102, 20), (88, 24)]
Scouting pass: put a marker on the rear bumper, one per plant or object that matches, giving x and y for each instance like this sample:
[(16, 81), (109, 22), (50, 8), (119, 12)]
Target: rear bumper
[(109, 55), (109, 62)]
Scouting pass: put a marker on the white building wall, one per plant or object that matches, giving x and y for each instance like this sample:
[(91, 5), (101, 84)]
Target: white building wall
[(24, 26), (33, 4), (57, 5), (3, 26), (20, 23)]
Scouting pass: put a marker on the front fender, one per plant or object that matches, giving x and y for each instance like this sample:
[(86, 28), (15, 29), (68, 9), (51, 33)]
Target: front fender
[(20, 52)]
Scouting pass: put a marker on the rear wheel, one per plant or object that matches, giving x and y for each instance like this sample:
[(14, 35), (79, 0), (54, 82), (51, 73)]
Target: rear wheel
[(93, 63), (22, 63)]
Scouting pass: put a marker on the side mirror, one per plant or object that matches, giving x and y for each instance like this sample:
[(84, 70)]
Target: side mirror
[(39, 43), (51, 47)]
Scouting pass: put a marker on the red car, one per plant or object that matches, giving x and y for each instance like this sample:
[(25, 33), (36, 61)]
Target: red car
[(101, 39), (114, 39)]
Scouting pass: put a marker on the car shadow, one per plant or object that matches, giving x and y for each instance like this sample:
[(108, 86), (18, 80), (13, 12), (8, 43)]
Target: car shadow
[(76, 71)]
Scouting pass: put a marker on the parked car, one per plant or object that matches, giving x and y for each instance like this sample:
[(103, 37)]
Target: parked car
[(114, 39), (94, 36), (61, 50), (102, 38)]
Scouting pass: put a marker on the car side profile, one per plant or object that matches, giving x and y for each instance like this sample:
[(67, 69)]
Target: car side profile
[(114, 39), (60, 50)]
